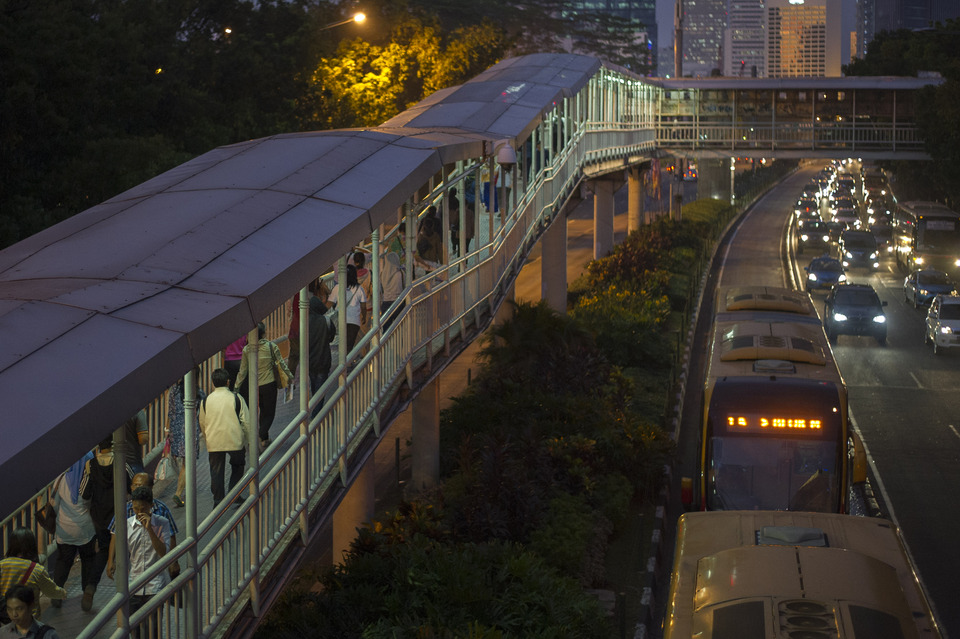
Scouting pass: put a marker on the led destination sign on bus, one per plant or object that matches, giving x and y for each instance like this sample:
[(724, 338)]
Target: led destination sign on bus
[(773, 424)]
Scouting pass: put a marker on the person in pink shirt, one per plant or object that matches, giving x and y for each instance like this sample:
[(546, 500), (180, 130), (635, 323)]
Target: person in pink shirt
[(231, 359)]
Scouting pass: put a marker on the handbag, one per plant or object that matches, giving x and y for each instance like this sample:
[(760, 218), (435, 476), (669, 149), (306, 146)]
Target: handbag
[(47, 515), (280, 375), (166, 469)]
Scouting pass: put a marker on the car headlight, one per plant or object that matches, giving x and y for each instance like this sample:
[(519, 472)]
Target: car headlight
[(812, 277), (946, 330), (849, 255), (826, 238), (842, 278), (839, 317), (957, 263), (804, 237), (924, 291), (879, 319), (918, 260), (873, 255)]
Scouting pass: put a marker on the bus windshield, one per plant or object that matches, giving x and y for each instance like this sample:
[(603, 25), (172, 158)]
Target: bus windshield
[(938, 235), (763, 473)]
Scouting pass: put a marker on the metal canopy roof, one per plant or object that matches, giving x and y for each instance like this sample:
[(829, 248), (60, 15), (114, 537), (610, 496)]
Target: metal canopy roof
[(103, 311)]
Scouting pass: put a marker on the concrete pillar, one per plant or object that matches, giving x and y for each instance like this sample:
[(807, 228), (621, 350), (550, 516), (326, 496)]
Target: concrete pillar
[(602, 217), (425, 448), (553, 265), (358, 507), (634, 199)]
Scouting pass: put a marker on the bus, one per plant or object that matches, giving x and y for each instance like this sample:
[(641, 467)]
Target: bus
[(765, 574), (774, 433), (927, 235)]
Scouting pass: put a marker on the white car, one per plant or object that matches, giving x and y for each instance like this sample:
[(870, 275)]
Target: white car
[(943, 323)]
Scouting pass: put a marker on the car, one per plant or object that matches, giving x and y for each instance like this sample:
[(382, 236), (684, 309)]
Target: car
[(813, 234), (854, 309), (824, 272), (942, 328), (883, 232), (806, 205), (835, 229), (859, 248), (922, 285), (844, 202)]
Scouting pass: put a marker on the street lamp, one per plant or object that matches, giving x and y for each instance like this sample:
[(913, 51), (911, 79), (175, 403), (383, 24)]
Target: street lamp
[(358, 17)]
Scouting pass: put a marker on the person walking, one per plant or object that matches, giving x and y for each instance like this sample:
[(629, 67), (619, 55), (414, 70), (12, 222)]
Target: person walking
[(97, 487), (148, 540), (391, 284), (21, 566), (268, 356), (356, 305), (322, 333), (177, 434), (224, 421), (75, 534)]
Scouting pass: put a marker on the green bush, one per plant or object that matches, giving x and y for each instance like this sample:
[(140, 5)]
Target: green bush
[(424, 588)]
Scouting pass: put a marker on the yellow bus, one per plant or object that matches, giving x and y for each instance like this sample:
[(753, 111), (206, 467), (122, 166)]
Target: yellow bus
[(790, 575), (774, 432)]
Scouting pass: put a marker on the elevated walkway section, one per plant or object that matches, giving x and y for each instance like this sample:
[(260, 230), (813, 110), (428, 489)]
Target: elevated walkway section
[(856, 116)]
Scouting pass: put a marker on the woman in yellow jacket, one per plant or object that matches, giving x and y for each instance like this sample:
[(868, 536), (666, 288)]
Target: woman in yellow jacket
[(268, 356)]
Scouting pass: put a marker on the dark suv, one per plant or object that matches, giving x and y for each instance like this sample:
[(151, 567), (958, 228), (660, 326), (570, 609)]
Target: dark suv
[(854, 309), (859, 248)]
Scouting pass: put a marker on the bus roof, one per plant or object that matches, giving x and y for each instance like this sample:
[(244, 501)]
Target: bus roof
[(745, 574), (764, 298)]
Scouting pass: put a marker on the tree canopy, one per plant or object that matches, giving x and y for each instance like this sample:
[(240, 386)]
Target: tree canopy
[(97, 96), (908, 53)]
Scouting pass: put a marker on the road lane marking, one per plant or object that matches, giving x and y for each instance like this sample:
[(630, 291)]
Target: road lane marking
[(950, 426), (919, 385)]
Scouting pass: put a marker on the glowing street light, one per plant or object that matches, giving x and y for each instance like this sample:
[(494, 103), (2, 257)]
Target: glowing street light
[(357, 17)]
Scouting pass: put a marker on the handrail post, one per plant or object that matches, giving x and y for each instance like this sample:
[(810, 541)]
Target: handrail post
[(191, 593)]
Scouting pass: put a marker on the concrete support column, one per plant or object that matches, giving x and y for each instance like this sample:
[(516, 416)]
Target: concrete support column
[(634, 199), (602, 217), (425, 450), (553, 265), (358, 507)]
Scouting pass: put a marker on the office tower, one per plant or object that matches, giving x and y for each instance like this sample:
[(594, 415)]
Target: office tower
[(704, 23), (803, 38), (744, 44)]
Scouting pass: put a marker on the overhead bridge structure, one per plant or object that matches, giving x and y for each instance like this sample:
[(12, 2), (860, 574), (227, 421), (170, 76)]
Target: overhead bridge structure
[(104, 312)]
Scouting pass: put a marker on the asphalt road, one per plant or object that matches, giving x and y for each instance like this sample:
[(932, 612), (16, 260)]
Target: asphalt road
[(904, 400)]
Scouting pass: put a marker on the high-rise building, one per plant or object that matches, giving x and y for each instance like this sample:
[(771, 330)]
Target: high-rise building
[(804, 38), (744, 41), (704, 22)]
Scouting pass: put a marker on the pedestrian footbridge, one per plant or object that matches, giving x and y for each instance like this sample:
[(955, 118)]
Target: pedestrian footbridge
[(105, 311)]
